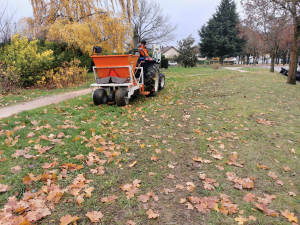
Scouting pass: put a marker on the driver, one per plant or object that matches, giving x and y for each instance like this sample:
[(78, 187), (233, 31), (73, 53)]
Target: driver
[(143, 47)]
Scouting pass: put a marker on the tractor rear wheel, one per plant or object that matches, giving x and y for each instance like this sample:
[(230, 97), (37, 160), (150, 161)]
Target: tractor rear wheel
[(121, 97), (162, 79), (100, 96), (152, 78)]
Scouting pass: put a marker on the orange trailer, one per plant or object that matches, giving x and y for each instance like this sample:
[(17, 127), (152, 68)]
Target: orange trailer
[(120, 75)]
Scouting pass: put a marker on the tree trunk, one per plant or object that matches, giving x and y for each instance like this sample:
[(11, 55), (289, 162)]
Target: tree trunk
[(272, 63), (293, 59)]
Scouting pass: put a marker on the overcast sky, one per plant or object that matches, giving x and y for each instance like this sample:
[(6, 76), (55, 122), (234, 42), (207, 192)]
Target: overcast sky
[(189, 15)]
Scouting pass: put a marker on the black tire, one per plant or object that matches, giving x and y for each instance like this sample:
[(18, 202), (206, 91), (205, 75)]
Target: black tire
[(152, 78), (121, 99), (162, 80), (100, 96), (111, 97)]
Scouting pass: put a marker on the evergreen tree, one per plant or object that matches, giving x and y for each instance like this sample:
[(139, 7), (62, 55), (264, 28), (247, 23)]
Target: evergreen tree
[(219, 37), (187, 56)]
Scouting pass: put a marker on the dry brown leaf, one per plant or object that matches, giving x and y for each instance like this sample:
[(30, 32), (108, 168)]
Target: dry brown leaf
[(286, 168), (182, 200), (280, 182), (252, 218), (143, 198), (171, 176), (15, 169), (154, 158), (272, 175), (94, 216), (290, 193), (110, 198), (293, 151), (263, 167), (68, 219), (4, 188), (179, 186), (290, 216), (249, 197), (241, 220), (190, 206), (151, 214)]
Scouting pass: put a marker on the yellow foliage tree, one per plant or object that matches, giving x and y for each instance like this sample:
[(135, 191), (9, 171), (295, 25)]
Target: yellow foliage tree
[(82, 23)]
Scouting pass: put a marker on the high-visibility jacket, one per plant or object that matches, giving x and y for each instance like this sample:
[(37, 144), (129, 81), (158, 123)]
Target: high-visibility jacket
[(145, 50)]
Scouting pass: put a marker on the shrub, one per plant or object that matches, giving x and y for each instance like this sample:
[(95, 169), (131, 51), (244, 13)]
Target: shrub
[(23, 56), (63, 53), (9, 79), (164, 63), (69, 74)]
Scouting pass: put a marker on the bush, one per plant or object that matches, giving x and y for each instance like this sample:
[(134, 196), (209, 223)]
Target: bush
[(68, 75), (9, 79), (164, 63), (23, 57), (62, 53)]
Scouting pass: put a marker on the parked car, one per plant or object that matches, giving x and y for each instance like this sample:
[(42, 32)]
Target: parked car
[(286, 72), (172, 63)]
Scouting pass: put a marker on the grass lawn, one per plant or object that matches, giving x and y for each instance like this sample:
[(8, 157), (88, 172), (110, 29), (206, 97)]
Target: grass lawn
[(214, 147), (27, 94)]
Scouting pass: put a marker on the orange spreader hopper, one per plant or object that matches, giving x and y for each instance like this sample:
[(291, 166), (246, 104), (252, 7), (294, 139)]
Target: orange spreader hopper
[(113, 62)]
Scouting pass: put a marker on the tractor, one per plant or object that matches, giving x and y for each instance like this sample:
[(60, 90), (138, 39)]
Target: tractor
[(119, 77)]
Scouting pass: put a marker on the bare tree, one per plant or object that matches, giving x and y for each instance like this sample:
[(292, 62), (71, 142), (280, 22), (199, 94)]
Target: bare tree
[(6, 23), (292, 9), (151, 24), (270, 25)]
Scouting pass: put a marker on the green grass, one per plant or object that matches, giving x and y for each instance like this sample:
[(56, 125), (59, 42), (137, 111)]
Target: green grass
[(196, 104), (28, 94)]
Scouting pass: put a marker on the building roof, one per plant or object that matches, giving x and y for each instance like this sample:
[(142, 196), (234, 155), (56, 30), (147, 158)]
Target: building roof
[(165, 49)]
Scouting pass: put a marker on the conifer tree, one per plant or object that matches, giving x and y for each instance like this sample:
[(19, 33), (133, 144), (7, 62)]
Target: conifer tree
[(219, 37)]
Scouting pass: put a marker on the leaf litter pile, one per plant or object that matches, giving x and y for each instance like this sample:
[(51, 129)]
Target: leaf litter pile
[(213, 151)]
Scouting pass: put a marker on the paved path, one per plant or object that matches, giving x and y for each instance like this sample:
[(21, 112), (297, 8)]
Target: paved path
[(236, 69), (8, 111)]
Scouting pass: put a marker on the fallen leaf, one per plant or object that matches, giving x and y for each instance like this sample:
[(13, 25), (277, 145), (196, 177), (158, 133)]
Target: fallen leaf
[(290, 216), (182, 200), (293, 151), (68, 219), (252, 218), (111, 198), (133, 164), (286, 169), (143, 198), (290, 193), (94, 216), (249, 197), (280, 182), (151, 214), (4, 188), (190, 206), (171, 176), (241, 220), (154, 158), (15, 169), (272, 175)]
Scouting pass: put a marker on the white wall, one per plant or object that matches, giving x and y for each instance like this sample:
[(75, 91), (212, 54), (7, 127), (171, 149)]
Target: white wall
[(171, 53)]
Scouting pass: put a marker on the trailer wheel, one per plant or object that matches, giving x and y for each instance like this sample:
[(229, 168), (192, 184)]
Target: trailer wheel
[(161, 81), (121, 99), (111, 97), (100, 96)]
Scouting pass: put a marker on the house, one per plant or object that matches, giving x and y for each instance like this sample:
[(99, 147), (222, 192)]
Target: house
[(169, 52), (197, 51)]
